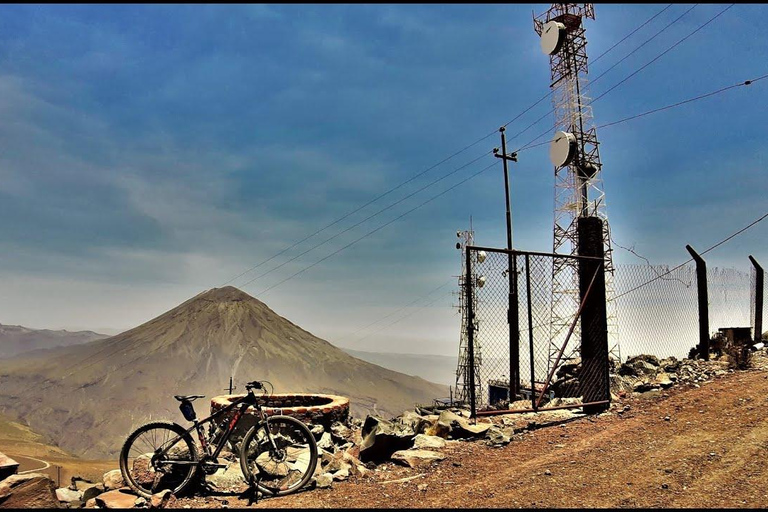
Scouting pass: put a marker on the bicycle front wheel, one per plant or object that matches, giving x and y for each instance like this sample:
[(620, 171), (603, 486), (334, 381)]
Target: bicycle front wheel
[(158, 456), (286, 466)]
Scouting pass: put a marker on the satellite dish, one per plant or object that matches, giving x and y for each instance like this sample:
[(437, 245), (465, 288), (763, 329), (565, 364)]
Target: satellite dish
[(552, 37), (481, 256), (481, 281), (562, 149)]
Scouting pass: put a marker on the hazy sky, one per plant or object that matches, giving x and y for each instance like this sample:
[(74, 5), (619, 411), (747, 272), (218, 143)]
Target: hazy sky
[(150, 152)]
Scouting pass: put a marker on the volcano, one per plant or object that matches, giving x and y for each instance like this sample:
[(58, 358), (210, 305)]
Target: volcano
[(90, 397)]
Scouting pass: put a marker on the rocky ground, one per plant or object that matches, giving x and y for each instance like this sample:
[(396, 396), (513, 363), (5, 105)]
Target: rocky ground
[(691, 434)]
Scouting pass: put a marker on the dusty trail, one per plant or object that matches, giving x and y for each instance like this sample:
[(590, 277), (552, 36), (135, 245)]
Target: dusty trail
[(696, 447)]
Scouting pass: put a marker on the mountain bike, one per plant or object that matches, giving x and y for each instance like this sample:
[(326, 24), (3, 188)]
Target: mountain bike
[(277, 455)]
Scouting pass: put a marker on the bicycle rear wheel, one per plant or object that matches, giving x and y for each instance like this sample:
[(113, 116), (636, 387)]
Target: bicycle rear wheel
[(148, 473), (288, 466)]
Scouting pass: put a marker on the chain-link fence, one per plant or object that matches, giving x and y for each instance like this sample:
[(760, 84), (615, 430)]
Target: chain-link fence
[(517, 347), (657, 309), (529, 343)]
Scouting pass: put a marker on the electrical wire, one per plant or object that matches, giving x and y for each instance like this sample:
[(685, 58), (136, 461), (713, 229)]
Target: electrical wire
[(666, 107), (395, 312), (379, 228), (523, 112), (718, 244), (532, 141), (368, 218)]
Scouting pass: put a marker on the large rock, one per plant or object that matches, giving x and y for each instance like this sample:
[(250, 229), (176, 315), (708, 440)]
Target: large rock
[(460, 427), (417, 422), (497, 437), (113, 480), (117, 498), (67, 495), (382, 438), (417, 458), (92, 491), (31, 490), (324, 480), (227, 478), (160, 499), (422, 441)]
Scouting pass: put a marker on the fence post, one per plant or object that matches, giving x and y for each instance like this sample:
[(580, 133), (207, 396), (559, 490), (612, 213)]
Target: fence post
[(701, 285), (594, 379), (530, 330), (514, 330), (470, 332), (759, 274)]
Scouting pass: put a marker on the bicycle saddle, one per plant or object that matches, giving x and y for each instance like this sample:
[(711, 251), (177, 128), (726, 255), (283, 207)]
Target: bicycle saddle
[(188, 398)]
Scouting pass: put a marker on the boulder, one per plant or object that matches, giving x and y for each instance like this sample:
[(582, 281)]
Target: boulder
[(67, 495), (227, 478), (417, 458), (92, 491), (663, 380), (416, 422), (343, 473), (381, 438), (113, 480), (426, 442), (160, 499), (341, 433), (317, 431), (460, 427), (30, 490), (117, 498), (326, 442), (497, 437), (324, 480)]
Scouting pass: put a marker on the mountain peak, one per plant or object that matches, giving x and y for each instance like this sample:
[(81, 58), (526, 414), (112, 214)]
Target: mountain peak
[(225, 294)]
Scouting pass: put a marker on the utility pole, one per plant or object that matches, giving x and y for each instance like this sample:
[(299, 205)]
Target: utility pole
[(513, 318)]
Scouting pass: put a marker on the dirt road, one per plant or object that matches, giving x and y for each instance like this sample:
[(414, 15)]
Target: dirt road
[(690, 447)]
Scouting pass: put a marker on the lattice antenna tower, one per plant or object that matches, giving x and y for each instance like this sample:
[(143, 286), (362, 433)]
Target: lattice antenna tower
[(462, 369), (578, 171)]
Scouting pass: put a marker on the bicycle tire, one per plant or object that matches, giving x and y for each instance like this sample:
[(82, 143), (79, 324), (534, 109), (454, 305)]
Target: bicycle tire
[(138, 478), (288, 470)]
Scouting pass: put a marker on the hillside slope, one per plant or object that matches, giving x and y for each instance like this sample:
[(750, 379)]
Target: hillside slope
[(15, 339), (89, 397)]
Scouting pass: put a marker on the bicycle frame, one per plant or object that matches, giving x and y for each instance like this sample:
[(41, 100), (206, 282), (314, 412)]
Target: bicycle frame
[(245, 402)]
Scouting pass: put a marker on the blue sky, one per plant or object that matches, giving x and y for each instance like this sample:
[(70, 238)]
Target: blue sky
[(149, 152)]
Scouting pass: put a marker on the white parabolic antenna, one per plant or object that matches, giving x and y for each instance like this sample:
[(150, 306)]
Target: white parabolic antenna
[(552, 37), (562, 149)]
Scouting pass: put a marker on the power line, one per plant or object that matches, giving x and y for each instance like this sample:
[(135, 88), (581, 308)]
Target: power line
[(368, 218), (428, 169), (644, 43), (530, 143), (718, 244), (362, 207), (404, 316), (379, 228), (631, 33), (667, 107), (396, 311)]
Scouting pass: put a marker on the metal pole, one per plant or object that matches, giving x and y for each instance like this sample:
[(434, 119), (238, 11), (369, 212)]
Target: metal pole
[(513, 314), (758, 300), (701, 285), (470, 332), (530, 328)]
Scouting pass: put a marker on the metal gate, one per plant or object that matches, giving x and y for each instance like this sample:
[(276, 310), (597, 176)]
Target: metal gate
[(519, 360)]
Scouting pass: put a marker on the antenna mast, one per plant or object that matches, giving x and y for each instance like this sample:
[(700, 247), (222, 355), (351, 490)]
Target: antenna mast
[(462, 370), (578, 179)]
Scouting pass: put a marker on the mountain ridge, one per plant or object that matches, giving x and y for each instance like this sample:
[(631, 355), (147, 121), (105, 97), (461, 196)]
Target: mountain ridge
[(89, 397)]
